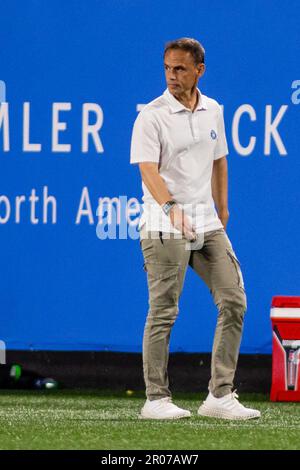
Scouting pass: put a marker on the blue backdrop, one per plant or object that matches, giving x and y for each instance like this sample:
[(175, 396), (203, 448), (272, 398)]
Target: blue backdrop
[(63, 288)]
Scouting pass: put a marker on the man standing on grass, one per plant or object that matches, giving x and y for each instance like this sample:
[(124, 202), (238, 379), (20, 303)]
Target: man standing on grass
[(179, 143)]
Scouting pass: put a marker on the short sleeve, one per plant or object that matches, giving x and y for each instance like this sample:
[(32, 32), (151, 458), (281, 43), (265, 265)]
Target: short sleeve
[(145, 143), (221, 148)]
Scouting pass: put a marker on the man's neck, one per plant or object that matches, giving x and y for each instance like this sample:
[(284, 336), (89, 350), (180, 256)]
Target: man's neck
[(189, 99)]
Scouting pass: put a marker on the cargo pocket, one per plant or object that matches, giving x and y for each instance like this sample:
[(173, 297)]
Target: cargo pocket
[(237, 268), (162, 283)]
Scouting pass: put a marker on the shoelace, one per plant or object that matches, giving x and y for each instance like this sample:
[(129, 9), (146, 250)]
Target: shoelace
[(235, 397)]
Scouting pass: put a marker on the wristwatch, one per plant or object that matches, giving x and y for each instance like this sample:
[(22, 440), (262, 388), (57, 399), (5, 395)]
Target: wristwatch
[(167, 206)]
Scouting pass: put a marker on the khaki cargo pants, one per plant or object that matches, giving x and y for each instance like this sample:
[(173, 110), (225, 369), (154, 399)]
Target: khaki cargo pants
[(166, 260)]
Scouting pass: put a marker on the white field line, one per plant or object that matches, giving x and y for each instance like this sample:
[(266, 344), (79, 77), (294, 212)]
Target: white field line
[(22, 415)]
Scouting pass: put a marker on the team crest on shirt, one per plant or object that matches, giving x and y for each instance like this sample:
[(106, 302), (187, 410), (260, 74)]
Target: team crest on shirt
[(213, 134)]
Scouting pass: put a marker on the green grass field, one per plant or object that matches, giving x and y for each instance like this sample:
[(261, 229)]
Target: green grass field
[(65, 419)]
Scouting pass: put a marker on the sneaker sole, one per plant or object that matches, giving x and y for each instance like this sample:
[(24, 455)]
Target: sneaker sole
[(220, 415), (168, 418)]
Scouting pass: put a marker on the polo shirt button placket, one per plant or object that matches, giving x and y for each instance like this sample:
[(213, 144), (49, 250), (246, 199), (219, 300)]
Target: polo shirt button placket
[(195, 126), (190, 117)]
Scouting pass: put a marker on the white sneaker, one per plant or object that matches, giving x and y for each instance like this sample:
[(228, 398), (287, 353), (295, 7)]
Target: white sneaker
[(227, 407), (163, 409)]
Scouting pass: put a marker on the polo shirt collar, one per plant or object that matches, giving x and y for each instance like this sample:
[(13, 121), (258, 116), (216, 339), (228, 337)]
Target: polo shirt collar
[(176, 106)]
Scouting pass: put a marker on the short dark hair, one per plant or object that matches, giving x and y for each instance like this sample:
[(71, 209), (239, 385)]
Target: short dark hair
[(190, 45)]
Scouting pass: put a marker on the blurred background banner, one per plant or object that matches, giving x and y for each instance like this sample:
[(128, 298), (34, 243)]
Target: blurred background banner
[(73, 76)]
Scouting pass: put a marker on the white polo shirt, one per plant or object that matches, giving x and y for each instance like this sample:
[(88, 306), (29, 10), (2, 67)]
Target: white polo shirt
[(184, 144)]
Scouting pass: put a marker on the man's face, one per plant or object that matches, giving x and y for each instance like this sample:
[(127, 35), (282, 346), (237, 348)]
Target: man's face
[(181, 72)]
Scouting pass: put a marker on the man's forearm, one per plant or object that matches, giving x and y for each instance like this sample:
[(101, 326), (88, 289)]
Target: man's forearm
[(220, 184), (220, 187), (158, 188), (155, 183)]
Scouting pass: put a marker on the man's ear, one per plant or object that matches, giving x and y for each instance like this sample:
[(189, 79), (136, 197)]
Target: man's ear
[(201, 69)]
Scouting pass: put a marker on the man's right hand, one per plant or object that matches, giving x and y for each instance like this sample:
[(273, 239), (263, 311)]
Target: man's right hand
[(182, 223)]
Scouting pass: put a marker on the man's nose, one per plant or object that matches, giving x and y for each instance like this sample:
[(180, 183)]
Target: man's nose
[(172, 74)]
